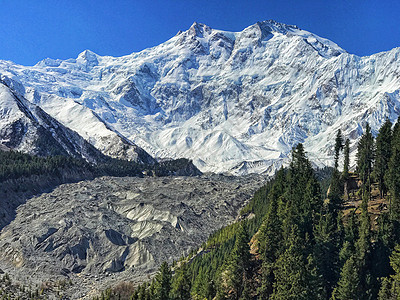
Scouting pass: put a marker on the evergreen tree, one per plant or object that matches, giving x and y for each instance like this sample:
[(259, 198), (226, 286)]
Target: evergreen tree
[(291, 278), (365, 157), (363, 243), (346, 163), (348, 285), (395, 264), (363, 250), (182, 284), (393, 176), (302, 194), (210, 291), (163, 282), (390, 287), (338, 147), (382, 156), (386, 293), (335, 194), (326, 250), (269, 241), (239, 263)]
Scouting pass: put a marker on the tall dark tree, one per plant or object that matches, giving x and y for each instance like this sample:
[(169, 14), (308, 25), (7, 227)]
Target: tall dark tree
[(382, 156), (269, 244), (326, 250), (365, 157), (239, 263), (335, 193), (348, 285), (302, 193), (338, 147), (363, 250), (292, 281), (182, 284), (346, 162), (393, 174), (163, 282), (390, 287)]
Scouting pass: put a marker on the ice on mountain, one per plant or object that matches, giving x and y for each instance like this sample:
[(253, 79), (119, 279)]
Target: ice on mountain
[(232, 101)]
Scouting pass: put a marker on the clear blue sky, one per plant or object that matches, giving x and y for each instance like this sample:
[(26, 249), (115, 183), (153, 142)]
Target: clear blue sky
[(31, 30)]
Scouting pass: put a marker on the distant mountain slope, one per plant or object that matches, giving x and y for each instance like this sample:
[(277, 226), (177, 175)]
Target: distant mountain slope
[(231, 101), (24, 126)]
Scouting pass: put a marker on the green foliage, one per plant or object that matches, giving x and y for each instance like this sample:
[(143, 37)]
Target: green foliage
[(239, 263), (348, 285), (346, 162), (14, 165), (390, 287), (163, 282), (365, 157), (292, 276), (383, 154), (338, 147), (393, 175), (181, 284), (300, 246)]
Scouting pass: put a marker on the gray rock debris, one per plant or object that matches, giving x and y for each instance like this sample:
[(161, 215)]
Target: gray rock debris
[(125, 225)]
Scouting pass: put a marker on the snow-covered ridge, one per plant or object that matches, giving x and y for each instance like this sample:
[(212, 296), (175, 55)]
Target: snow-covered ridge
[(231, 101)]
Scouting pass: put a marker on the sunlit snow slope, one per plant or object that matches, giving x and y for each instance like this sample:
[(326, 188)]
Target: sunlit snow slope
[(233, 102)]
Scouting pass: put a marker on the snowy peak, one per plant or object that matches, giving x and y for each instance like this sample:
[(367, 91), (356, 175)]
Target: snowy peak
[(231, 101), (199, 30), (88, 59), (273, 26)]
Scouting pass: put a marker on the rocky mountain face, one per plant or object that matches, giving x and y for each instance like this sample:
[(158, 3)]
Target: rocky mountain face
[(88, 231), (231, 101), (25, 127)]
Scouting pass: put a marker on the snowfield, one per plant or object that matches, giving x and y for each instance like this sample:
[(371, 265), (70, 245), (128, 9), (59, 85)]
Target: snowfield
[(232, 101)]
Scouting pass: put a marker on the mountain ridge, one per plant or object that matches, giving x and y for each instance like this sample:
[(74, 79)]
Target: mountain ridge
[(231, 101)]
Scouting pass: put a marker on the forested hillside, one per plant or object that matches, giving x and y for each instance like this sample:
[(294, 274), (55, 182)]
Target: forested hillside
[(14, 165), (295, 242)]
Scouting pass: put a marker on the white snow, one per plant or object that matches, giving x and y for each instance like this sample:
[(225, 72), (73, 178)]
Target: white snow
[(233, 102)]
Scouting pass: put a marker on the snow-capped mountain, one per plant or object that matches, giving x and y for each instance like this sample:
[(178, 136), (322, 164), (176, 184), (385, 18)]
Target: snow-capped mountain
[(231, 101), (26, 127)]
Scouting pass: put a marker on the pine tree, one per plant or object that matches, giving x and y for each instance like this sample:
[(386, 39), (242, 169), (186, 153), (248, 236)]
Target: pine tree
[(348, 285), (365, 157), (239, 263), (292, 280), (386, 293), (390, 287), (163, 282), (335, 193), (393, 175), (346, 163), (395, 264), (338, 147), (383, 154), (363, 243), (269, 243), (182, 284), (326, 250), (363, 250)]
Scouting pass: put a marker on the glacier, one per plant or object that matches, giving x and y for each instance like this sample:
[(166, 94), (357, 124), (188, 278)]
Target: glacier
[(234, 102)]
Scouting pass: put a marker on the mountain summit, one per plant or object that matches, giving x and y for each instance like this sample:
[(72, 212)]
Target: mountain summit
[(231, 101)]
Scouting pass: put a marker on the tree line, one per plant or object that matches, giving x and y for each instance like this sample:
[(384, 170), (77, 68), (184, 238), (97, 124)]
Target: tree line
[(15, 165)]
